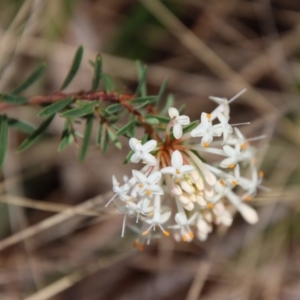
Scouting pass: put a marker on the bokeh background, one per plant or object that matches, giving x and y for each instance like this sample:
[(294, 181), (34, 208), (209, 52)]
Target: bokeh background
[(57, 241)]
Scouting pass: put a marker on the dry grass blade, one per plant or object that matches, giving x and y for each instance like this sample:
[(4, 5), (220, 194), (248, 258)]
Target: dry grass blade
[(62, 284), (46, 206), (52, 221)]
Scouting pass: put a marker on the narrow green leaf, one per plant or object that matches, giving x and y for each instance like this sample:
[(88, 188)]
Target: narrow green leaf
[(64, 137), (99, 134), (126, 127), (162, 90), (85, 109), (170, 103), (152, 121), (36, 134), (13, 99), (77, 133), (108, 83), (142, 100), (3, 139), (142, 74), (127, 158), (104, 141), (114, 138), (32, 78), (54, 108), (21, 126), (131, 131), (113, 108), (86, 138), (181, 109), (190, 127), (74, 68), (97, 72), (161, 119), (63, 144)]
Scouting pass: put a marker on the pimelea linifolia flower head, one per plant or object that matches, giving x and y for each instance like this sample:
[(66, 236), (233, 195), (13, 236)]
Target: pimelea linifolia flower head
[(178, 190)]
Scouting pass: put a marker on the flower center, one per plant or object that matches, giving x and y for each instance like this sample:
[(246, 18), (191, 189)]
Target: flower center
[(178, 172), (148, 192)]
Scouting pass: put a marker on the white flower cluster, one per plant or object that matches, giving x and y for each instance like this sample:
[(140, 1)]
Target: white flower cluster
[(178, 185)]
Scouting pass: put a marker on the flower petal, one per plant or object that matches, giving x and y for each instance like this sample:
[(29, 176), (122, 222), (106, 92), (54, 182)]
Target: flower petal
[(135, 158), (180, 219), (149, 146), (154, 177), (207, 139), (177, 160), (133, 142), (249, 214), (168, 170), (229, 150), (156, 190), (173, 112), (186, 169), (225, 163), (177, 131), (165, 217), (149, 159), (139, 176), (183, 120)]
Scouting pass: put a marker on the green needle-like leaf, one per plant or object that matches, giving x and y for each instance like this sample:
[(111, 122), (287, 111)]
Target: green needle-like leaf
[(152, 121), (3, 139), (99, 134), (113, 108), (142, 74), (114, 139), (85, 109), (97, 72), (126, 127), (104, 140), (161, 119), (54, 108), (86, 138), (127, 158), (162, 90), (21, 126), (108, 83), (36, 134), (74, 68), (32, 78), (142, 100), (13, 99), (190, 127), (170, 103)]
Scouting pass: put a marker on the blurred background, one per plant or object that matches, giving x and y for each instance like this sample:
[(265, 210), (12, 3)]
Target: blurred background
[(56, 239)]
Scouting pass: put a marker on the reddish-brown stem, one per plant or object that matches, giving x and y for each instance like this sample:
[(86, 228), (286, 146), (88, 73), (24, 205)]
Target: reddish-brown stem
[(90, 96)]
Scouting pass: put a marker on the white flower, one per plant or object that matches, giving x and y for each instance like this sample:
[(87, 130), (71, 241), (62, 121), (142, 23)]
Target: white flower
[(177, 122), (157, 220), (222, 215), (248, 213), (120, 190), (184, 225), (178, 169), (251, 185), (141, 152), (142, 207), (148, 185), (203, 228), (205, 129), (223, 128), (234, 155)]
